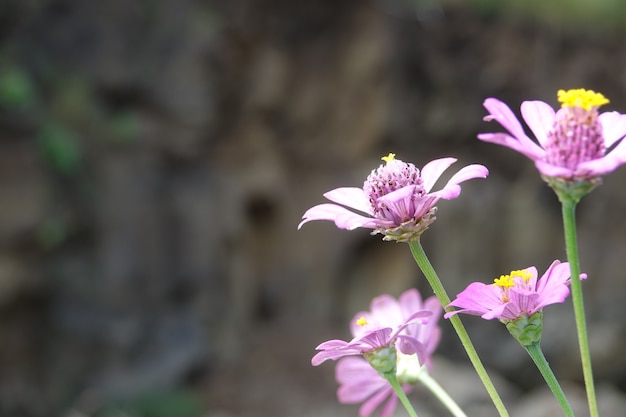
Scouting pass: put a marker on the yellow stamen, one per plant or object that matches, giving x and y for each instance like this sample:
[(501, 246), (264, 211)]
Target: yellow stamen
[(389, 157), (523, 274), (505, 281), (508, 281), (361, 321), (579, 97)]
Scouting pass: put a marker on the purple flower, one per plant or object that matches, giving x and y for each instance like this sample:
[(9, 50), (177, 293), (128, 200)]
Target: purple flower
[(359, 381), (518, 294), (395, 199), (574, 143)]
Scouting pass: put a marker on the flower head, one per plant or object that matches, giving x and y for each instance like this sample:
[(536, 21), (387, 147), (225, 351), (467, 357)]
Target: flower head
[(576, 143), (519, 294), (359, 380), (395, 198)]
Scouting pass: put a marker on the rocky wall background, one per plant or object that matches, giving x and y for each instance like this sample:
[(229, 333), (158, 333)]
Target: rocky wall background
[(156, 157)]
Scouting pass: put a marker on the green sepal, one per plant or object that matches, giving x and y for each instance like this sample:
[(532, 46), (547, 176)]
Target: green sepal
[(383, 359), (527, 329), (572, 190)]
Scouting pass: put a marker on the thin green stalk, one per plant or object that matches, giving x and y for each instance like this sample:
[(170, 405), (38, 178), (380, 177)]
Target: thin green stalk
[(537, 356), (442, 296), (441, 394), (571, 245), (393, 380)]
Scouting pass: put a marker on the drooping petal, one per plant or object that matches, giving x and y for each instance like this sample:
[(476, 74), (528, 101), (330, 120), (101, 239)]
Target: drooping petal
[(613, 127), (334, 354), (433, 170), (351, 197), (527, 148), (452, 188), (343, 218), (539, 117)]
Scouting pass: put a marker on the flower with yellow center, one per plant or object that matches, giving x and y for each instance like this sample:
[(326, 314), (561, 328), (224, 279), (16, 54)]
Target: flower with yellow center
[(576, 143), (518, 294)]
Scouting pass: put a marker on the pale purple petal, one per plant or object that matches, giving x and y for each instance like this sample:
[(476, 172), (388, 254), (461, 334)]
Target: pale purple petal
[(370, 405), (550, 170), (502, 113), (411, 346), (343, 218), (452, 189), (390, 406), (325, 355), (433, 170), (386, 311), (606, 164), (552, 287), (477, 299), (410, 301), (528, 148), (358, 380), (524, 301), (539, 117), (350, 197), (613, 127)]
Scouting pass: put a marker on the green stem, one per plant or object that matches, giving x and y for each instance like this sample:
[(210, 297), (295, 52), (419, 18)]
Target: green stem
[(434, 387), (571, 245), (535, 352), (393, 380), (442, 296)]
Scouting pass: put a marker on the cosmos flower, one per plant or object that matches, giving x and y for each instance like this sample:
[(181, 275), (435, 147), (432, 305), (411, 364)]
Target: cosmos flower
[(575, 143), (359, 381), (515, 295), (396, 198)]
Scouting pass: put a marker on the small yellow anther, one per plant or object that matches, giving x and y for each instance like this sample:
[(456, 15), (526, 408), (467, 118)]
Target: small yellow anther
[(389, 157), (579, 97), (361, 321), (505, 281)]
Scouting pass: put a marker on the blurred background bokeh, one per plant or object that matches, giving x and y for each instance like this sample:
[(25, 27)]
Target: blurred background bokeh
[(157, 155)]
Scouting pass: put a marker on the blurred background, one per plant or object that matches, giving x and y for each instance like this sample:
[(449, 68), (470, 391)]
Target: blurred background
[(156, 157)]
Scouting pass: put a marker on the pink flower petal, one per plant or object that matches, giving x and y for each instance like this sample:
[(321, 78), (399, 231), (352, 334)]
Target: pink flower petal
[(433, 170), (343, 218), (452, 189), (539, 117), (528, 148), (502, 113), (358, 380), (350, 197), (477, 299), (610, 162), (613, 127), (550, 170)]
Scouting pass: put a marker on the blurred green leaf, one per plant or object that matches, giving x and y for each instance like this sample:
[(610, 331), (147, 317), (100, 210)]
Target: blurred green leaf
[(59, 147), (16, 88)]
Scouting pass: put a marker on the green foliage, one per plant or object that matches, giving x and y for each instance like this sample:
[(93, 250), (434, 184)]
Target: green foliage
[(16, 88), (59, 148), (575, 15), (155, 404)]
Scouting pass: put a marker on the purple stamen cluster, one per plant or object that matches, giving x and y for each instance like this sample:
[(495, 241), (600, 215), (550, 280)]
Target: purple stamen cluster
[(576, 138), (392, 176)]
